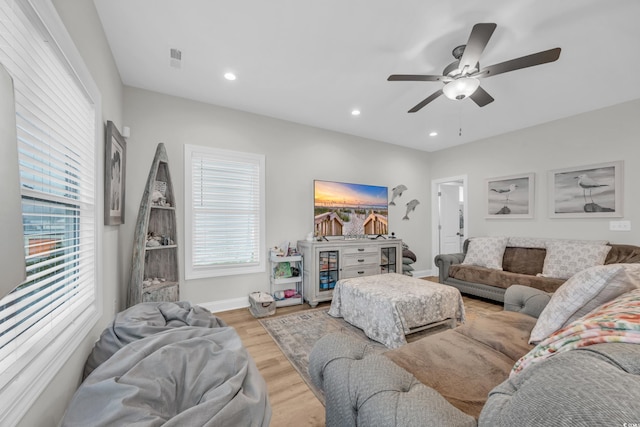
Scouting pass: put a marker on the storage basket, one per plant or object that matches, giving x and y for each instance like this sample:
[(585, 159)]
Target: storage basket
[(261, 304)]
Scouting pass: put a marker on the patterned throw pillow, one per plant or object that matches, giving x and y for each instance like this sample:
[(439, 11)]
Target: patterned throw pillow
[(564, 259), (583, 293), (486, 252)]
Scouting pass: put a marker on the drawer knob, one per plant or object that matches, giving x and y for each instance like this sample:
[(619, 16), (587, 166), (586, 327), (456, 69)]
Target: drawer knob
[(360, 260), (360, 249), (360, 272)]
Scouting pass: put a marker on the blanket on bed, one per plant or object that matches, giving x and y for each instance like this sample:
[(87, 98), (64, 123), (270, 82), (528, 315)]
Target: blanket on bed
[(616, 321)]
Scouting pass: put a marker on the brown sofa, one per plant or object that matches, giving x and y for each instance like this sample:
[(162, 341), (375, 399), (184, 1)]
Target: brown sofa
[(520, 265)]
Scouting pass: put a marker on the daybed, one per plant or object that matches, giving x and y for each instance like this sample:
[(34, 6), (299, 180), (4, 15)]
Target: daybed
[(169, 364), (534, 262), (487, 373)]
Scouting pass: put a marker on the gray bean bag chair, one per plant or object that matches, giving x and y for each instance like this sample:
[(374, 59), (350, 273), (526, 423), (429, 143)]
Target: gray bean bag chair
[(181, 375), (143, 320)]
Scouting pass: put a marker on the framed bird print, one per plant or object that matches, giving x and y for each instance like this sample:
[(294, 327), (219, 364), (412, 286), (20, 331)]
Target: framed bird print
[(592, 191), (510, 197)]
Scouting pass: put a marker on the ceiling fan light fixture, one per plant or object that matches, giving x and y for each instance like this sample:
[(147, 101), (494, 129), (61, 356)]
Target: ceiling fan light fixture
[(461, 88)]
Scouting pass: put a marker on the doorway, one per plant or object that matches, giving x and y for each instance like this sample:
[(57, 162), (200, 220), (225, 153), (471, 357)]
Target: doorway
[(449, 202)]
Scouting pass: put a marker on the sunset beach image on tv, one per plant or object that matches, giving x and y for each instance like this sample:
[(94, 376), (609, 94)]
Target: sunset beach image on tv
[(343, 209)]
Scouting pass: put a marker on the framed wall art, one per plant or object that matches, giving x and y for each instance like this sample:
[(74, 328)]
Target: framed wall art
[(510, 196), (114, 176), (586, 191)]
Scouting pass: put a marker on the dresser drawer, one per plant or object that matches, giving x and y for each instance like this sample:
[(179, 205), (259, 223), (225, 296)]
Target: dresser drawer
[(365, 270), (359, 250), (361, 259)]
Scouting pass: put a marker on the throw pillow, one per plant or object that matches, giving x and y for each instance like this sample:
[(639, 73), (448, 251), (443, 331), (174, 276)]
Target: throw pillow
[(582, 293), (408, 253), (486, 252), (565, 259), (407, 267)]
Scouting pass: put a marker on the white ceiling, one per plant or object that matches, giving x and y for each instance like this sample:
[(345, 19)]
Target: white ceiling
[(312, 62)]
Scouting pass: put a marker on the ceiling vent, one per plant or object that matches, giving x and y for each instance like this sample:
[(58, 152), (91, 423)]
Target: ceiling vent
[(176, 58)]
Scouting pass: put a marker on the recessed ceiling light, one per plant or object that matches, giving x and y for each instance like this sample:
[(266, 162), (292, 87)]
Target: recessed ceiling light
[(434, 133), (355, 113), (230, 76)]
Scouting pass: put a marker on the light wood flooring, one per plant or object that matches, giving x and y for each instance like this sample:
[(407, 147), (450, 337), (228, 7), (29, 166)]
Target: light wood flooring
[(292, 402)]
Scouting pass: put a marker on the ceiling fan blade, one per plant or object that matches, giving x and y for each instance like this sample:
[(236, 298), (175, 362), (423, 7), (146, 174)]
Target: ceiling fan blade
[(522, 62), (425, 101), (414, 78), (481, 97), (478, 39)]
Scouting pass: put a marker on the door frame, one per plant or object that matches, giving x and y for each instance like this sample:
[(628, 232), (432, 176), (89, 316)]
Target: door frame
[(435, 213)]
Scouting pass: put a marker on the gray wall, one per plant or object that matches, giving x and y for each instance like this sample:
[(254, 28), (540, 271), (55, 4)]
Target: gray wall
[(605, 135), (295, 156)]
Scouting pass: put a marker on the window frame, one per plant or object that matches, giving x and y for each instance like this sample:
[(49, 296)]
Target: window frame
[(31, 377), (199, 272)]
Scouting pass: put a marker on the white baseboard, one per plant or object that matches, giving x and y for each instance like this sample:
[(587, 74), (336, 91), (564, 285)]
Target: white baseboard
[(225, 305), (424, 273)]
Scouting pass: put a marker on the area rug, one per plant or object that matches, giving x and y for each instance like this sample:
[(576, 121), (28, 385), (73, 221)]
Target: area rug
[(296, 334)]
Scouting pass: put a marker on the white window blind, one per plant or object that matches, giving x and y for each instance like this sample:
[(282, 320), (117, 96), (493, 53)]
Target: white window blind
[(56, 129), (225, 212)]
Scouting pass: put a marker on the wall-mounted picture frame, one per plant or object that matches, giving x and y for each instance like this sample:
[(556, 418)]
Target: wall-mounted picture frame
[(511, 197), (114, 176), (592, 191)]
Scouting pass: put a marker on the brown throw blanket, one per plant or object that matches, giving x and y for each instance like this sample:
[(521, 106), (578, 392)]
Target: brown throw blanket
[(466, 363)]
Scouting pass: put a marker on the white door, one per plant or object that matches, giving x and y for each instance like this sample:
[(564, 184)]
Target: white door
[(449, 211), (450, 218)]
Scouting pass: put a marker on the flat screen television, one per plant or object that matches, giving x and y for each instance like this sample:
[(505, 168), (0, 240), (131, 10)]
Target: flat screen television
[(343, 209)]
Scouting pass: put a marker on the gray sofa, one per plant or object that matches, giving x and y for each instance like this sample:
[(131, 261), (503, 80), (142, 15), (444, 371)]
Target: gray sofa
[(522, 261), (432, 381)]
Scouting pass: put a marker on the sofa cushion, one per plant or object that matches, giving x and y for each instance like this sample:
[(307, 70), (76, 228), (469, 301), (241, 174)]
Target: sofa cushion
[(491, 331), (478, 368), (584, 292), (486, 252), (564, 259), (623, 254), (502, 279), (523, 260), (482, 353)]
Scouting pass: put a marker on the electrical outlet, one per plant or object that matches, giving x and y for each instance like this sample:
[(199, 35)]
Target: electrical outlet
[(620, 225)]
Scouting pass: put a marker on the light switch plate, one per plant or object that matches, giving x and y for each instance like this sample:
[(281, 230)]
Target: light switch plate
[(620, 225)]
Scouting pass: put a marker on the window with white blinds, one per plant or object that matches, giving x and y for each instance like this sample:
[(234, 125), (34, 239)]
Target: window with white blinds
[(56, 121), (224, 210)]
